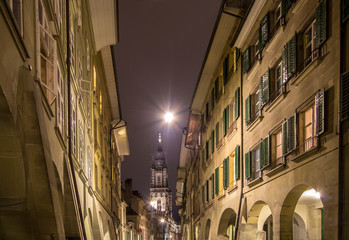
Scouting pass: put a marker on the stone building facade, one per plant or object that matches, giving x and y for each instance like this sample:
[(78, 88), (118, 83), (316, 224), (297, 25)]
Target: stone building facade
[(63, 138), (264, 160)]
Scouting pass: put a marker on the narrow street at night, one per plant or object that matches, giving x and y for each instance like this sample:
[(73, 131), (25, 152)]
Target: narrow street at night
[(174, 120)]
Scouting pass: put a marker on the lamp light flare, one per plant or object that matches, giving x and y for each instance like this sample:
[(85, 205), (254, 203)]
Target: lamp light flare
[(162, 220), (169, 117)]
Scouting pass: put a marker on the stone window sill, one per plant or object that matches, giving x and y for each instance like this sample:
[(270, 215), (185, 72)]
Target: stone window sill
[(276, 170), (252, 125), (254, 182)]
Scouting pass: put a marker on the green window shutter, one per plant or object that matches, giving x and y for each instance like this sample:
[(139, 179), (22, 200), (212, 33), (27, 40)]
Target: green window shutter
[(212, 186), (292, 57), (237, 103), (207, 110), (261, 87), (246, 60), (207, 191), (212, 98), (265, 92), (203, 194), (207, 150), (202, 122), (224, 132), (217, 133), (237, 162), (248, 165), (263, 32), (345, 10), (248, 109), (226, 120), (261, 155), (266, 152), (224, 173), (227, 172), (319, 112), (285, 63), (291, 129), (344, 100), (217, 180), (212, 143), (216, 88), (284, 138), (225, 70), (286, 5), (321, 24)]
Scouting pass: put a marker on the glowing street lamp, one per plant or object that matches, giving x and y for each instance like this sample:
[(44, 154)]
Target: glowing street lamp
[(162, 223), (169, 117)]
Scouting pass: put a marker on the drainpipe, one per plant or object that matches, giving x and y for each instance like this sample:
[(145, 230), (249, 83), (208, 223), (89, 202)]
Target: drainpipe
[(74, 188), (341, 165), (242, 124)]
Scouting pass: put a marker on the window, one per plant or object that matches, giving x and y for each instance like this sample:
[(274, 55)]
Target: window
[(58, 12), (276, 149), (82, 146), (207, 191), (96, 176), (73, 124), (231, 164), (16, 8), (225, 69), (47, 57), (72, 50), (276, 87), (212, 185), (226, 173), (263, 33), (60, 100), (94, 79), (253, 164), (88, 57), (225, 120), (288, 135), (89, 156), (100, 103), (218, 88), (308, 43), (253, 106), (220, 181)]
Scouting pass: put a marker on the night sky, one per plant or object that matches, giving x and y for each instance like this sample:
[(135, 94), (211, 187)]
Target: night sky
[(162, 45)]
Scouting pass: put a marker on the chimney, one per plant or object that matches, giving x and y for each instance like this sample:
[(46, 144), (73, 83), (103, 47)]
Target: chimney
[(128, 190)]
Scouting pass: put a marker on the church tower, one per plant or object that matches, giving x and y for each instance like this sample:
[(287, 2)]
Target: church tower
[(160, 193)]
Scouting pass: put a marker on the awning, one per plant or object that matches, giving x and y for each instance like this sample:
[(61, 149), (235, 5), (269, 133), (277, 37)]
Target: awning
[(121, 138)]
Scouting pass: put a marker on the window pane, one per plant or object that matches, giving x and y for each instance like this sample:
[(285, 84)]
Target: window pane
[(308, 116)]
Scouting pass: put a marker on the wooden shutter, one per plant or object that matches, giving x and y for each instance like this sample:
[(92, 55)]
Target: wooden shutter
[(224, 173), (202, 122), (207, 191), (266, 152), (319, 112), (284, 138), (344, 100), (216, 88), (248, 109), (207, 111), (248, 165), (207, 150), (227, 172), (320, 24), (265, 92), (292, 57), (225, 69), (237, 162), (217, 180), (261, 155), (217, 133), (224, 132), (286, 5), (212, 98), (263, 32), (246, 60), (284, 63), (203, 194), (212, 143), (212, 186), (226, 119), (237, 104), (291, 129)]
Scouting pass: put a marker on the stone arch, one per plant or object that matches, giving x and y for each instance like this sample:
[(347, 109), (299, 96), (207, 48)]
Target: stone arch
[(302, 204), (226, 223), (256, 219), (207, 229), (13, 189)]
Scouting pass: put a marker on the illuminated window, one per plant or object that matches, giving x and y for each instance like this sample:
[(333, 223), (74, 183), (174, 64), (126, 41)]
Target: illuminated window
[(94, 79), (100, 103), (16, 8), (276, 149)]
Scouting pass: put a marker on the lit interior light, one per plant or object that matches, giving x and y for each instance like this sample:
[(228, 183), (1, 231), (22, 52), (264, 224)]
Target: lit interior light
[(169, 117), (153, 204), (122, 131), (312, 193)]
